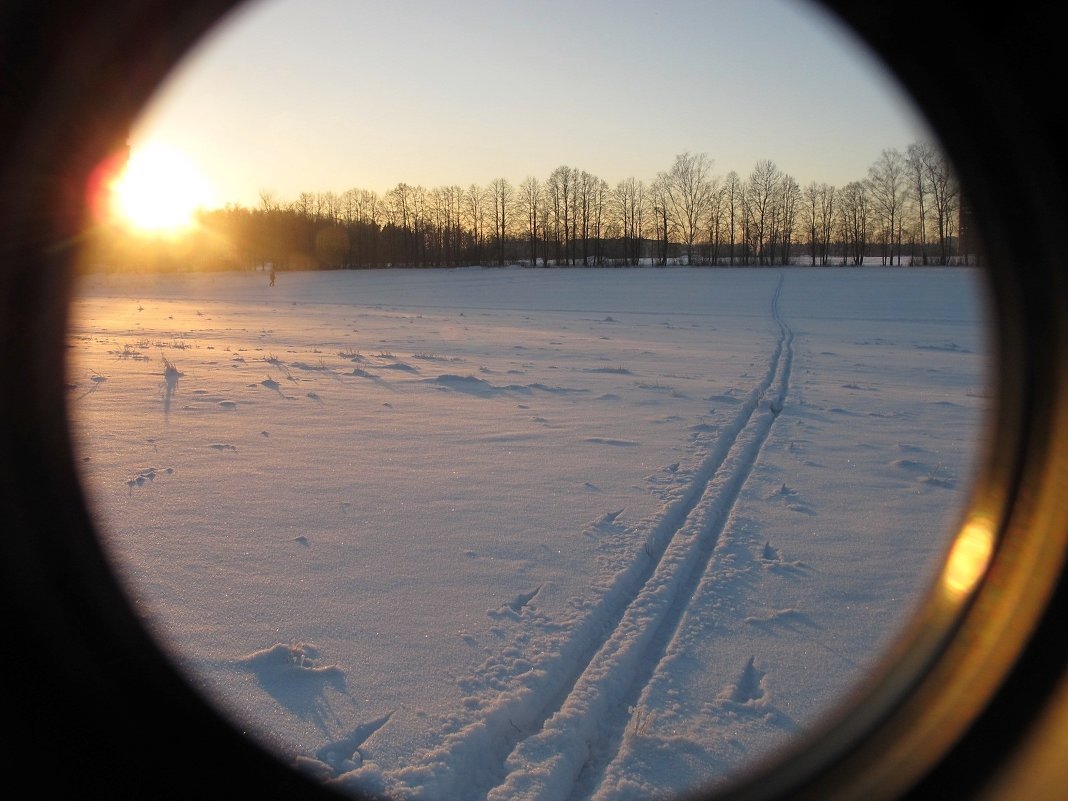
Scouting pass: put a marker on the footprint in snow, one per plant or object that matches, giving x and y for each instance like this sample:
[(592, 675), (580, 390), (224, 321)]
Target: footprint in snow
[(148, 475), (619, 443), (909, 448), (344, 754), (749, 693), (792, 619), (292, 673), (605, 524), (515, 607)]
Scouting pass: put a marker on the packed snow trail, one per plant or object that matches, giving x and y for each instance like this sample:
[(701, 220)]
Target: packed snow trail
[(606, 775), (533, 742), (584, 733)]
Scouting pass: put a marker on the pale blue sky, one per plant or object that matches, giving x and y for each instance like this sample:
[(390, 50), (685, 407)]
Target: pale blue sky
[(327, 95)]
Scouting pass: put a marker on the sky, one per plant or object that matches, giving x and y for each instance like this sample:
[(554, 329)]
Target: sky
[(291, 96)]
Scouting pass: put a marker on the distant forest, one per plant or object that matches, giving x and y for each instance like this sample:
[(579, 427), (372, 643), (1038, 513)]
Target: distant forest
[(906, 211)]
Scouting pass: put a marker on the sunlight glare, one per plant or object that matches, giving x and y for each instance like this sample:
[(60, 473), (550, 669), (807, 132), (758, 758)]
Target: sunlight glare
[(160, 190)]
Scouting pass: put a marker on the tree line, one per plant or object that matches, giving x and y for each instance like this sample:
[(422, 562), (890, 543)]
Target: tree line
[(905, 211)]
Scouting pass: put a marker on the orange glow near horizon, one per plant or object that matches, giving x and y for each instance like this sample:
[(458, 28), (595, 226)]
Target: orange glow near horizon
[(158, 191)]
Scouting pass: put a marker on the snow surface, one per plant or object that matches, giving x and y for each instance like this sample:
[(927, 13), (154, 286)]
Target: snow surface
[(528, 534)]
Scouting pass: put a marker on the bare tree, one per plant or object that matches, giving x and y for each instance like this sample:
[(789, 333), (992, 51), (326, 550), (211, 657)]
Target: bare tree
[(586, 186), (329, 205), (688, 193), (530, 198), (945, 194), (270, 233), (918, 157), (817, 217), (503, 198), (629, 209), (886, 185), (598, 218), (573, 215), (827, 195), (853, 216), (268, 202), (349, 205), (661, 216), (407, 214), (373, 209), (475, 201), (570, 179), (560, 191), (305, 205), (810, 219), (398, 208), (555, 226), (732, 200), (789, 200), (762, 194), (716, 217), (452, 200), (421, 223), (361, 213), (545, 223)]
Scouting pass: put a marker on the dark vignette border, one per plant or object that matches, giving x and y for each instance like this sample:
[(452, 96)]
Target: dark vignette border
[(95, 708)]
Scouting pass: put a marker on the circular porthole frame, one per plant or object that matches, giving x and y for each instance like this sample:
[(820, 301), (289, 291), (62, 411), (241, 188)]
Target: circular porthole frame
[(972, 704)]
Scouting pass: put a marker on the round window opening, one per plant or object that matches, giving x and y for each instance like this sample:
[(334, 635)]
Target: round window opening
[(568, 401)]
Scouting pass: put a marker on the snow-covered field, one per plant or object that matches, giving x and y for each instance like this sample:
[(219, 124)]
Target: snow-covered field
[(517, 534)]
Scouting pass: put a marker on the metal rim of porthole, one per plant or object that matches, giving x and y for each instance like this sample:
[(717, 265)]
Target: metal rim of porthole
[(948, 713)]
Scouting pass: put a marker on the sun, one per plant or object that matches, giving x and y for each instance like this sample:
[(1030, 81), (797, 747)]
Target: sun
[(159, 190)]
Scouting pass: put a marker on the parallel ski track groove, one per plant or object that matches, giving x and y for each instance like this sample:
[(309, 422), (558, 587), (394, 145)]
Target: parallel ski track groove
[(738, 471), (500, 736), (628, 653)]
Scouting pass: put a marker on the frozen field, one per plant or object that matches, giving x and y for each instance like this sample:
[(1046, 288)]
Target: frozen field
[(528, 534)]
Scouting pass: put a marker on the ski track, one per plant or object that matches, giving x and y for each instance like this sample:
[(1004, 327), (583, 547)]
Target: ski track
[(554, 737)]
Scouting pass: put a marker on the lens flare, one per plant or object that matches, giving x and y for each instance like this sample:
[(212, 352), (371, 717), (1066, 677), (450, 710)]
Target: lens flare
[(969, 557)]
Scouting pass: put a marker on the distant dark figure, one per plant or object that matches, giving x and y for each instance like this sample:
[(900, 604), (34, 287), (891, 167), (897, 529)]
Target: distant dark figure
[(272, 275)]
